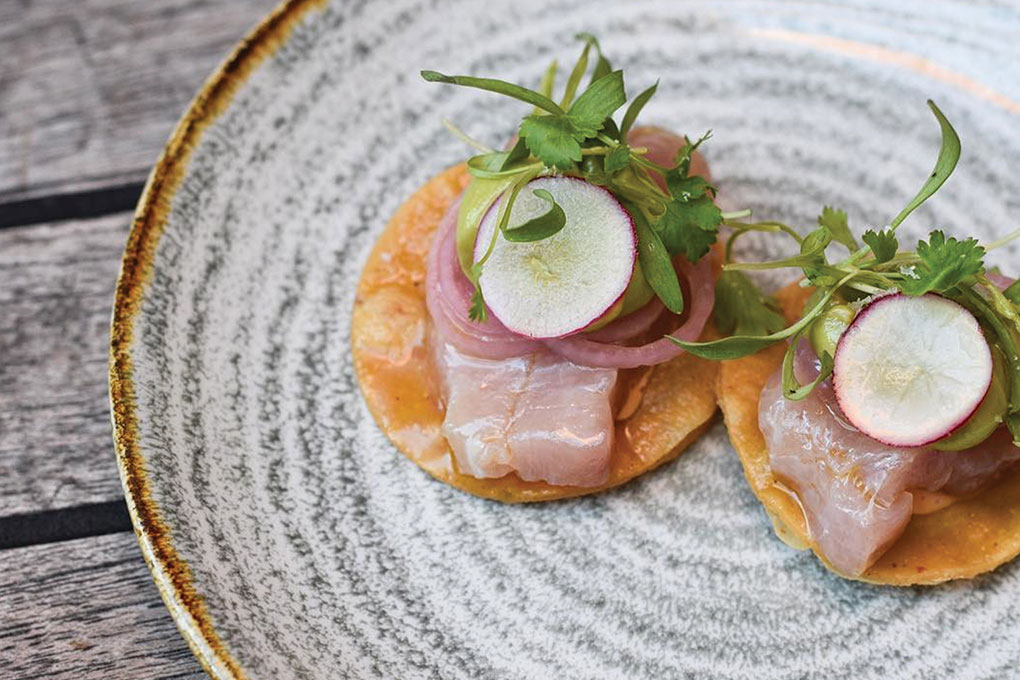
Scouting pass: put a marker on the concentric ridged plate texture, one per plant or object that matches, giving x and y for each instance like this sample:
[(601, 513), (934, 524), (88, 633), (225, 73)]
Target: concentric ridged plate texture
[(299, 544)]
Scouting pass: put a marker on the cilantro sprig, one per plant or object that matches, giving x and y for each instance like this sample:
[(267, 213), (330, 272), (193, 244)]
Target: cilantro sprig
[(741, 309), (943, 264), (578, 136), (939, 264)]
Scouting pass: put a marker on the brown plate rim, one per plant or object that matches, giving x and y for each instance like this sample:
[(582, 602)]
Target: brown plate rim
[(169, 570)]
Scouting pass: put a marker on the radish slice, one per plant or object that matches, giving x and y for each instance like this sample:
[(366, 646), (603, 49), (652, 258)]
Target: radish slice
[(448, 298), (564, 283), (910, 370), (701, 283)]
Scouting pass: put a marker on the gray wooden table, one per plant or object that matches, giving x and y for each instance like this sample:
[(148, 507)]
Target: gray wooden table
[(89, 92)]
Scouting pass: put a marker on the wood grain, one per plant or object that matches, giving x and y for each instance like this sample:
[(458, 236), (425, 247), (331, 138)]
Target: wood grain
[(89, 91), (86, 609), (57, 287)]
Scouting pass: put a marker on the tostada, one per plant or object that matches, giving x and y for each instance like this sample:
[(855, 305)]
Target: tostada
[(513, 328), (875, 404)]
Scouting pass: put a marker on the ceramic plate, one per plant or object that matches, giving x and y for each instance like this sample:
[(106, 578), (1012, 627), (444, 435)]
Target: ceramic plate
[(291, 540)]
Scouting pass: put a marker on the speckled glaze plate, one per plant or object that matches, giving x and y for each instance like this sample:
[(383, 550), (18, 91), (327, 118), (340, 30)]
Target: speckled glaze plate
[(289, 538)]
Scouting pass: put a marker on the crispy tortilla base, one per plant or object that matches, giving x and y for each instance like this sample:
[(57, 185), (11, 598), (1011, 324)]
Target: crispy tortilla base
[(388, 340), (967, 538)]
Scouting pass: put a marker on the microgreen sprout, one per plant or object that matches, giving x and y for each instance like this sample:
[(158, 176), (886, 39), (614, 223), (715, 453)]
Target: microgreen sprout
[(578, 136), (939, 264)]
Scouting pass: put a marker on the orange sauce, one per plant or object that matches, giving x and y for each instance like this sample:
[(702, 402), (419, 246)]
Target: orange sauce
[(927, 502)]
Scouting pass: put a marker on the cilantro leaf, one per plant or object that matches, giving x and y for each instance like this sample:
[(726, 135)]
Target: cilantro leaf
[(945, 263), (690, 227), (556, 139), (687, 188), (882, 243), (836, 222), (552, 139), (598, 102), (617, 159), (683, 156), (690, 224), (741, 309), (478, 311)]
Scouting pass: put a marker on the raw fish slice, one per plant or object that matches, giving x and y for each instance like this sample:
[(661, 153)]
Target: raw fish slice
[(562, 431), (481, 395), (542, 416), (972, 468), (851, 491), (855, 490)]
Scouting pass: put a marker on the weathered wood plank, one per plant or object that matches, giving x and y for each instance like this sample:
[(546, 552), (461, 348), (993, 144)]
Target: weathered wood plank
[(56, 295), (90, 90), (86, 609)]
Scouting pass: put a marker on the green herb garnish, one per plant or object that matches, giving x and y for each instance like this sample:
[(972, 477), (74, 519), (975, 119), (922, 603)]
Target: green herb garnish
[(883, 244), (656, 264), (947, 266), (536, 99), (540, 227), (943, 264), (1013, 292), (477, 311), (691, 222), (738, 346), (836, 222), (578, 136), (792, 389), (741, 309)]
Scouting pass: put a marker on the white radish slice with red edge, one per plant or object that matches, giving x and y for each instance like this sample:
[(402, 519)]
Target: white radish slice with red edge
[(565, 283), (910, 370)]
